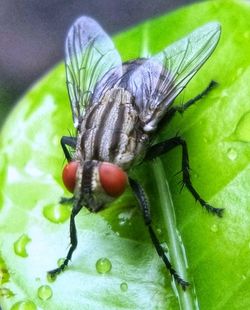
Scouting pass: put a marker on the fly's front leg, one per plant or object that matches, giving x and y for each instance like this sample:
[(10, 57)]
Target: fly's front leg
[(165, 146), (73, 241), (144, 204), (68, 141), (66, 200)]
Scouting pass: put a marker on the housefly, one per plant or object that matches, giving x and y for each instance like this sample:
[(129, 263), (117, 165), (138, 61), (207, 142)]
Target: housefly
[(118, 109)]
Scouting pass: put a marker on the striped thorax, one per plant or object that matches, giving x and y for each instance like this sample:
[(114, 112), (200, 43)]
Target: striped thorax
[(110, 131)]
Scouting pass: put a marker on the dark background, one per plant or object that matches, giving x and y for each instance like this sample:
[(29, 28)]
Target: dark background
[(32, 34)]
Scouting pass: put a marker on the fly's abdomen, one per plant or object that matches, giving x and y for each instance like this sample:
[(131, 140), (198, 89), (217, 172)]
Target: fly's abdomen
[(111, 130)]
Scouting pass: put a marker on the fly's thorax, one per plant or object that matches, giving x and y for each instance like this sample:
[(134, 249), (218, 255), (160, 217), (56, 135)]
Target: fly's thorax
[(95, 183), (110, 131)]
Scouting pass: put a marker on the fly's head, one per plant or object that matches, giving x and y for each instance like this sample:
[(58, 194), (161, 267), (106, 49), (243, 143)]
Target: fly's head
[(94, 183)]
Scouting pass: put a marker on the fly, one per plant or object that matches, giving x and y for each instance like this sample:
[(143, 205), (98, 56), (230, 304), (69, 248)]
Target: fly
[(118, 109)]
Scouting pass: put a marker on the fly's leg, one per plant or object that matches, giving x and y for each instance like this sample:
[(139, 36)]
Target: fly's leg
[(73, 242), (190, 102), (68, 141), (144, 205), (66, 200), (182, 108), (165, 146)]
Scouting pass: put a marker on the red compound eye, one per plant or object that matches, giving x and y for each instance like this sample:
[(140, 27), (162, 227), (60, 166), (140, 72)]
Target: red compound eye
[(69, 175), (113, 179)]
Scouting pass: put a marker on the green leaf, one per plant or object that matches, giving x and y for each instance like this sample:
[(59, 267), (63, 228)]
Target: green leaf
[(34, 229)]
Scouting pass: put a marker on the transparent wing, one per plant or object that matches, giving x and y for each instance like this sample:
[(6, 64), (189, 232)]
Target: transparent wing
[(90, 54), (157, 81)]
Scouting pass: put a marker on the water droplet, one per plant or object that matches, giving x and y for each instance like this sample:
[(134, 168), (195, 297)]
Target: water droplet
[(224, 93), (60, 262), (164, 246), (103, 265), (4, 274), (122, 221), (44, 292), (24, 305), (242, 131), (232, 154), (20, 246), (5, 292), (51, 278), (159, 231), (57, 213), (214, 228), (124, 287), (125, 217)]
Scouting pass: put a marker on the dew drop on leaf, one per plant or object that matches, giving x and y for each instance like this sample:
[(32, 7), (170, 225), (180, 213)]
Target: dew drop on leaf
[(124, 287), (5, 292), (159, 231), (232, 154), (20, 245), (24, 305), (51, 278), (242, 131), (56, 213), (44, 292), (60, 262), (214, 228), (103, 265), (164, 246), (125, 217), (4, 274)]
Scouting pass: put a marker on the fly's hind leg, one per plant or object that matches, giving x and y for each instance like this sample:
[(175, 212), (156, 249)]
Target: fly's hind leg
[(144, 205), (189, 103), (165, 146), (182, 108)]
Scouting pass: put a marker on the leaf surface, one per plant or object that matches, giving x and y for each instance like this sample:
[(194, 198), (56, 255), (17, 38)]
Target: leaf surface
[(217, 131)]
